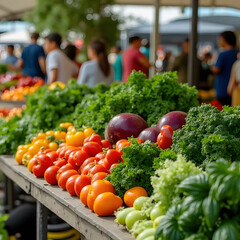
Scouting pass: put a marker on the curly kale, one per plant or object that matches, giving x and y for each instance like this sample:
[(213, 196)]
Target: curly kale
[(209, 134)]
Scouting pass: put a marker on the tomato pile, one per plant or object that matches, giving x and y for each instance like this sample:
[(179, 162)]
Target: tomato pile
[(9, 113)]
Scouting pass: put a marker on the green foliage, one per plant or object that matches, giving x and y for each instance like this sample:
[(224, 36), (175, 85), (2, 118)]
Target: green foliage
[(209, 134), (211, 208), (3, 231), (89, 18), (150, 99), (45, 110), (136, 169)]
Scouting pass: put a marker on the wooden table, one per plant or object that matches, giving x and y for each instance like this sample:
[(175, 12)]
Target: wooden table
[(69, 208), (12, 104)]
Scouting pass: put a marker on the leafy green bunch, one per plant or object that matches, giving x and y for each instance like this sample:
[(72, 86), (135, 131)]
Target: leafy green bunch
[(150, 99), (209, 134), (45, 110), (136, 169), (211, 207)]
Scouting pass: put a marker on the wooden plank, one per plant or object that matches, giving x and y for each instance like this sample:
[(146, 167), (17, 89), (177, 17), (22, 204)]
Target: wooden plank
[(12, 104), (70, 209)]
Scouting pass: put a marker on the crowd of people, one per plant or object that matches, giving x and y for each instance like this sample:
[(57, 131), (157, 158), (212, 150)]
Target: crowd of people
[(53, 63)]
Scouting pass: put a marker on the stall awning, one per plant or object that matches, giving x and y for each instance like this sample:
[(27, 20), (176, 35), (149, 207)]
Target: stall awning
[(14, 9), (202, 3)]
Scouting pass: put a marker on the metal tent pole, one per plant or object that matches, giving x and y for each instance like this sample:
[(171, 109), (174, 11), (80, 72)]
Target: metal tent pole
[(154, 38), (192, 57)]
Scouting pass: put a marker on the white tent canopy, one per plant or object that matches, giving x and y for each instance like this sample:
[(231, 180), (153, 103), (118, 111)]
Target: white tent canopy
[(20, 37), (14, 9)]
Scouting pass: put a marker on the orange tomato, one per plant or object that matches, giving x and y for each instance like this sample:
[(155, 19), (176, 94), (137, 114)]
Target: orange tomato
[(98, 187), (49, 133), (66, 125), (41, 136), (84, 194), (19, 155), (132, 194), (53, 146), (71, 129), (33, 149), (41, 143), (75, 140), (121, 144), (98, 176), (60, 135), (106, 203), (26, 158), (88, 132)]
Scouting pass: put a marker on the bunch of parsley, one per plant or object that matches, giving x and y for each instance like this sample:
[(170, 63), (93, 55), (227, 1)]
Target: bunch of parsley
[(209, 134), (137, 167)]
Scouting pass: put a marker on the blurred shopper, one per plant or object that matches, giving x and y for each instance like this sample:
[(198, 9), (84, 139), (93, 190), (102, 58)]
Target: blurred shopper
[(117, 64), (133, 59), (180, 64), (234, 83), (32, 61), (11, 59), (72, 52), (205, 73), (223, 66), (59, 66), (98, 69), (166, 61)]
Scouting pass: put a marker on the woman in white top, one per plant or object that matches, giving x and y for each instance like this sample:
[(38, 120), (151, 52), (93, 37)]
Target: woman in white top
[(98, 69)]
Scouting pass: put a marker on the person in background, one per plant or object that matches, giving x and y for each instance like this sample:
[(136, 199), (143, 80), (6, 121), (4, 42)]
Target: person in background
[(133, 59), (144, 49), (166, 60), (59, 66), (223, 66), (234, 83), (117, 65), (11, 59), (72, 52), (32, 61), (98, 69)]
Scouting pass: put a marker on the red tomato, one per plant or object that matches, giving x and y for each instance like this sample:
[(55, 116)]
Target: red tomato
[(113, 166), (100, 155), (95, 138), (50, 175), (80, 183), (118, 143), (164, 139), (98, 176), (87, 168), (140, 140), (86, 140), (62, 152), (101, 161), (63, 169), (78, 158), (106, 164), (60, 162), (53, 155), (68, 152), (70, 184), (89, 160), (43, 162), (97, 168), (92, 148), (62, 180), (106, 144), (59, 150), (113, 156)]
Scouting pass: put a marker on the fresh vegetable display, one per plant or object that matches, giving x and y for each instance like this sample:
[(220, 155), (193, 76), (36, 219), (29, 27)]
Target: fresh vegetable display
[(9, 113)]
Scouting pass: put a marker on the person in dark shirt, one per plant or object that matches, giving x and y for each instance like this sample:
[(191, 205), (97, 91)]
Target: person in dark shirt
[(223, 66), (32, 61)]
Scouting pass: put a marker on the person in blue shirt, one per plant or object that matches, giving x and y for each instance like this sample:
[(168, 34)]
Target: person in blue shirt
[(33, 62), (11, 59), (117, 65), (223, 66)]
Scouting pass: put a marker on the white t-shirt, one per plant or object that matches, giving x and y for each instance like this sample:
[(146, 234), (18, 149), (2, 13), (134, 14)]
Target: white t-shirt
[(56, 59), (91, 74)]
